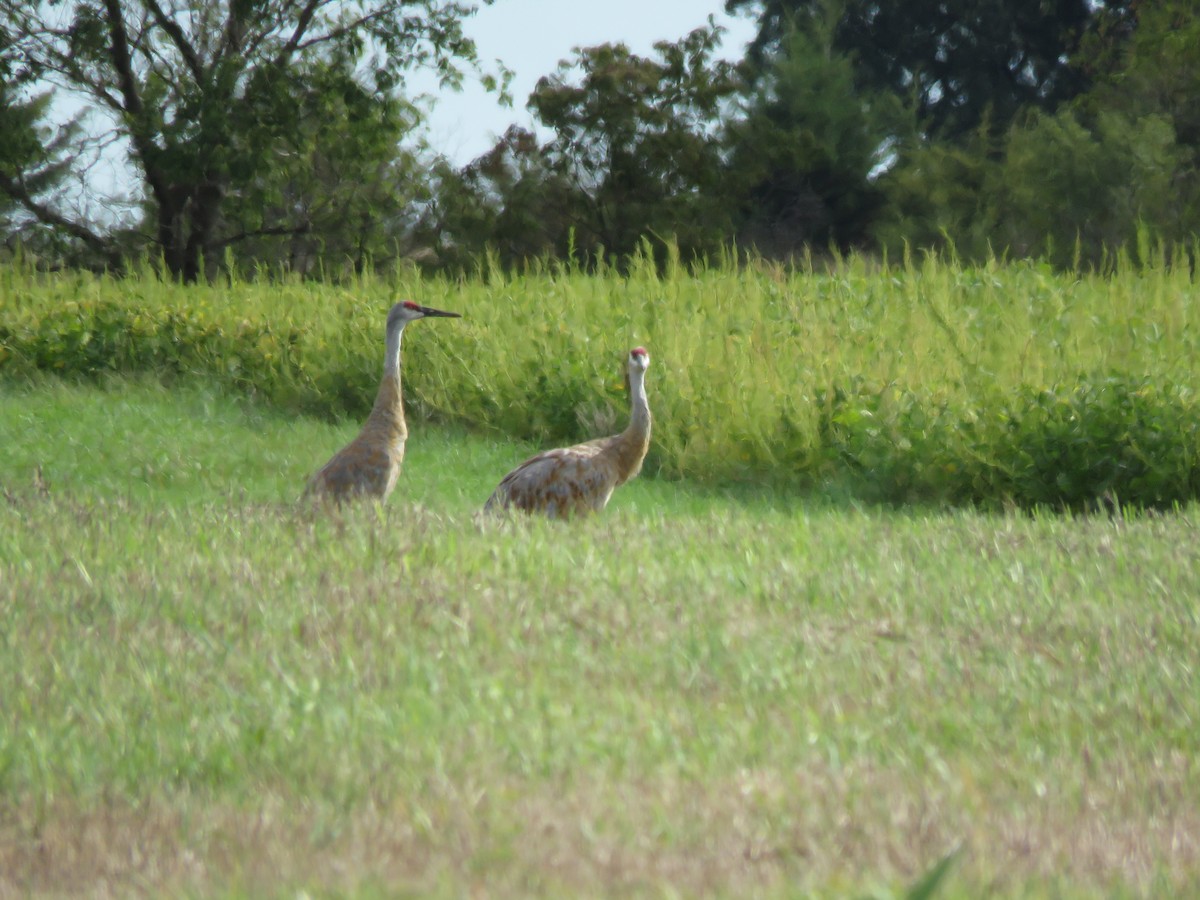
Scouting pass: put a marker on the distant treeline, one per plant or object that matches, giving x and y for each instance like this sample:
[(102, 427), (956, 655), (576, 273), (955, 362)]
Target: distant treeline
[(1059, 131)]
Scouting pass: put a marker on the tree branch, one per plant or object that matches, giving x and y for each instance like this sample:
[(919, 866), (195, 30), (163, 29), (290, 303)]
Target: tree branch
[(302, 23), (186, 50), (42, 48), (134, 109), (16, 189), (122, 60), (234, 33), (75, 78), (275, 231), (341, 31)]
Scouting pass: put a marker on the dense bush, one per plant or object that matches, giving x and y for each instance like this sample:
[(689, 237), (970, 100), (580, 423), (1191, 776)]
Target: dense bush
[(907, 383), (1101, 441)]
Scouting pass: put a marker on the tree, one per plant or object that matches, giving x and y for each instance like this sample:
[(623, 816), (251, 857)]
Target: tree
[(637, 140), (1148, 63), (343, 173), (805, 149), (1125, 157), (34, 157), (956, 60), (1116, 163), (1071, 191), (211, 95), (940, 196), (509, 202)]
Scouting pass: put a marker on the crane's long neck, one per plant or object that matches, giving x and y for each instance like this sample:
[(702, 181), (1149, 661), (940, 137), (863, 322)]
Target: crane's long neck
[(388, 411), (634, 441)]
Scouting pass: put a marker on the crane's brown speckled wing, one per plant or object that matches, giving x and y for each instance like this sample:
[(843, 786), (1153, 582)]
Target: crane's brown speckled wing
[(559, 483), (361, 468)]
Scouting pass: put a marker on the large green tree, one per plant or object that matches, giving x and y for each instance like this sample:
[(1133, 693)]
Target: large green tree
[(345, 173), (1148, 63), (956, 60), (635, 154), (214, 98), (1117, 163), (1125, 157), (637, 139), (804, 150)]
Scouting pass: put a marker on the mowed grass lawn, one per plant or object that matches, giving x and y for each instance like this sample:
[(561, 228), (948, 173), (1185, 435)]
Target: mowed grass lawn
[(207, 688)]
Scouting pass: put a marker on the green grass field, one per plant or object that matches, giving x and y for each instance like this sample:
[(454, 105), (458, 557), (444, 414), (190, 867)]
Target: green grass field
[(208, 689)]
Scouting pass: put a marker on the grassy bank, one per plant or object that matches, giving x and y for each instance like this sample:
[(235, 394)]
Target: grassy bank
[(211, 690), (924, 382)]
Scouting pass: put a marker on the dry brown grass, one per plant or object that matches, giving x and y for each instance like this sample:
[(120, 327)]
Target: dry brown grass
[(756, 832)]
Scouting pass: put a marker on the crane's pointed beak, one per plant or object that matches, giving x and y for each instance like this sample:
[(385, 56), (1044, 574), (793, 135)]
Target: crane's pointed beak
[(430, 311)]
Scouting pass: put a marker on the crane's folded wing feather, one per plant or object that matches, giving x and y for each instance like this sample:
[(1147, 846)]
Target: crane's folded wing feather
[(559, 482)]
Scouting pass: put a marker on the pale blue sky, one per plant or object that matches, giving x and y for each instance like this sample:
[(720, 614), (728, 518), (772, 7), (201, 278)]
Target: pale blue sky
[(531, 36)]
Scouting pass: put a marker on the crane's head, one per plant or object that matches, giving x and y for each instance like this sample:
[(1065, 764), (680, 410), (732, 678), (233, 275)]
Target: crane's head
[(639, 359), (406, 311)]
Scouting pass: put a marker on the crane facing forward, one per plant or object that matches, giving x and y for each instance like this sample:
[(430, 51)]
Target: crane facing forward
[(369, 465), (579, 480)]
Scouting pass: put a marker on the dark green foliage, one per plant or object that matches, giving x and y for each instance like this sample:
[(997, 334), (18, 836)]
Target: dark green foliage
[(22, 147), (510, 203), (1148, 63), (956, 60), (35, 159), (1061, 187), (940, 196), (634, 137), (1097, 443), (1114, 165), (342, 179), (804, 148), (89, 339)]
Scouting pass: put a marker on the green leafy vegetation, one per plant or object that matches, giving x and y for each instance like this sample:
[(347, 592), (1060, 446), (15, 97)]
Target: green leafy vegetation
[(924, 381)]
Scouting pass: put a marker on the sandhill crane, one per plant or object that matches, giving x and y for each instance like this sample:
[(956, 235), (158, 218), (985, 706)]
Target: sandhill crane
[(579, 480), (369, 465)]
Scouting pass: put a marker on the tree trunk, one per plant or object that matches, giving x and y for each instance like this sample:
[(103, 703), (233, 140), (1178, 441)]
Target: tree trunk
[(188, 216)]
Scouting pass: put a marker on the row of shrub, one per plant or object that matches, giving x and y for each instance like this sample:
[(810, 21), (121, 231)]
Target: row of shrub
[(918, 383)]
